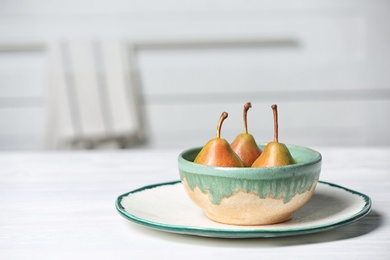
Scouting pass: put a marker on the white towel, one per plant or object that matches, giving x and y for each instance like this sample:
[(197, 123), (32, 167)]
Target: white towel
[(91, 99)]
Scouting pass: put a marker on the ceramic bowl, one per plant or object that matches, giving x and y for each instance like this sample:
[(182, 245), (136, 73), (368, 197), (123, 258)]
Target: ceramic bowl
[(251, 196)]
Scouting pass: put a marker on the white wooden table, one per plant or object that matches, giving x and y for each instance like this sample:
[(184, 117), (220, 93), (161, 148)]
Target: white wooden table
[(60, 205)]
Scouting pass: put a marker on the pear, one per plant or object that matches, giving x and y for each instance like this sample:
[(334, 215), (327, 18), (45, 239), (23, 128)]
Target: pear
[(245, 145), (217, 151), (274, 153)]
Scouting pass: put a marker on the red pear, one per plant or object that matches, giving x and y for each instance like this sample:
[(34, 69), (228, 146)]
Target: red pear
[(217, 151), (274, 153), (245, 145)]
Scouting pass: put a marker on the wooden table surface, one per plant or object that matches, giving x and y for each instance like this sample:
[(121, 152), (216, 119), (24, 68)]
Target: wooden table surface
[(61, 205)]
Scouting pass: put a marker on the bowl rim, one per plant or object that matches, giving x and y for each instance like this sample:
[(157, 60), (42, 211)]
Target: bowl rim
[(249, 172)]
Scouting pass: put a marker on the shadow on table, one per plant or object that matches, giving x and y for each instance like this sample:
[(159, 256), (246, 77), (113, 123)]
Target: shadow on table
[(359, 228)]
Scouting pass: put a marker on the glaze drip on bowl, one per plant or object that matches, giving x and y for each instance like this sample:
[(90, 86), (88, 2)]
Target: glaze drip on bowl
[(218, 188)]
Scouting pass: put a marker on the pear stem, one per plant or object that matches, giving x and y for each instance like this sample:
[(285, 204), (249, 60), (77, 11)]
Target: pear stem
[(275, 110), (224, 115), (246, 108)]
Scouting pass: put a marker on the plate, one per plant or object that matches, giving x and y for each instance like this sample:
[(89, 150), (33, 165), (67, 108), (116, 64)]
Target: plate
[(166, 207)]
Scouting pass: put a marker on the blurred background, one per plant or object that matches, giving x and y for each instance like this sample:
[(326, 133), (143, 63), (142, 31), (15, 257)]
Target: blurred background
[(127, 73)]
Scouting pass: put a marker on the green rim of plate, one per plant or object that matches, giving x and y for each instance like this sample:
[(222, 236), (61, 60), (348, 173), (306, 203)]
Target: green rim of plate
[(247, 233)]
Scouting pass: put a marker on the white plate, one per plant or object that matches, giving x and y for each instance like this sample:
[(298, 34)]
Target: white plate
[(166, 207)]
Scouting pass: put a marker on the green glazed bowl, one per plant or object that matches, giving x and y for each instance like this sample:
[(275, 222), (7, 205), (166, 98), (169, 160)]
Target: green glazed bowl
[(251, 196)]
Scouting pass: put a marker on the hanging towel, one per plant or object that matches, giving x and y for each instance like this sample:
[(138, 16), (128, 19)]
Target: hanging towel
[(92, 101)]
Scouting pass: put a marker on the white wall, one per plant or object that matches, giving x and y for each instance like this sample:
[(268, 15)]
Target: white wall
[(328, 69)]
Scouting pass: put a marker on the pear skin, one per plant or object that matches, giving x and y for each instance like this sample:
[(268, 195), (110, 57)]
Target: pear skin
[(246, 148), (245, 145), (217, 151), (274, 153)]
